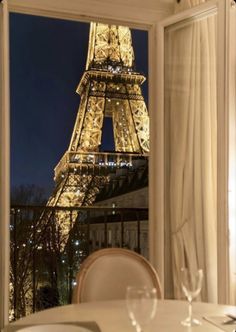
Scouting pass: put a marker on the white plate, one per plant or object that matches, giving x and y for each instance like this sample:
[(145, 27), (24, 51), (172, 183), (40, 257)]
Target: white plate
[(54, 328)]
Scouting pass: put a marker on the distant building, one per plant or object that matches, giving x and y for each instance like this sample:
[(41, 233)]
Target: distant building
[(127, 189)]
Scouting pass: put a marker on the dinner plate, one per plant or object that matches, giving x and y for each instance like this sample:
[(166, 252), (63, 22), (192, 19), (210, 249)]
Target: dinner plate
[(54, 328)]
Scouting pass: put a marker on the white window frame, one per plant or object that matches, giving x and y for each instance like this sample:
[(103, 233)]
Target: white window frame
[(4, 165), (125, 13), (135, 15), (231, 106)]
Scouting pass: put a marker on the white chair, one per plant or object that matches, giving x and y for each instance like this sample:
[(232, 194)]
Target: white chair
[(105, 274)]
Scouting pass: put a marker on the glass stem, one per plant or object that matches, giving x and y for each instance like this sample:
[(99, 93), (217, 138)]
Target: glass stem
[(190, 310), (138, 328)]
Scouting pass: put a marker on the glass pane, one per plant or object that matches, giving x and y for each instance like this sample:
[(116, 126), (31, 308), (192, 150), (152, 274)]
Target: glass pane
[(96, 141), (191, 153)]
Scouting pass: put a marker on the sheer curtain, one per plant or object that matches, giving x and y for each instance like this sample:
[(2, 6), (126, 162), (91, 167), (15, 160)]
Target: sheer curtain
[(191, 150), (186, 4)]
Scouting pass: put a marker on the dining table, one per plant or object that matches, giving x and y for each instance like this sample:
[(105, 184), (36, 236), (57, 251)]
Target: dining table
[(112, 316)]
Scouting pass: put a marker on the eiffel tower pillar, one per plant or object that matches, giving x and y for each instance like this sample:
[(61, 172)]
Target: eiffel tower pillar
[(109, 87)]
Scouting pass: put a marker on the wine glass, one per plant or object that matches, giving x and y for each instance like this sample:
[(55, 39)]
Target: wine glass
[(141, 304), (191, 283)]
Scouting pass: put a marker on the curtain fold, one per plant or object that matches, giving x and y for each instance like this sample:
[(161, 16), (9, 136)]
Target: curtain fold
[(186, 4), (191, 149)]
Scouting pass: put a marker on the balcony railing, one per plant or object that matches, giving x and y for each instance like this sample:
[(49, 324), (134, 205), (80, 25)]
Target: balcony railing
[(104, 163), (45, 260)]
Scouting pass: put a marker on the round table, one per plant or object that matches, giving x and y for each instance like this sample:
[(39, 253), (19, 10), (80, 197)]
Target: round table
[(111, 316)]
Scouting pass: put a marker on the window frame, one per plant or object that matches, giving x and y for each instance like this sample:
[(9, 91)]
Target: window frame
[(223, 8), (135, 14), (138, 16)]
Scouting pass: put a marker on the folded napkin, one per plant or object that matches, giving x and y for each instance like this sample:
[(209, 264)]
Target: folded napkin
[(92, 326), (219, 322)]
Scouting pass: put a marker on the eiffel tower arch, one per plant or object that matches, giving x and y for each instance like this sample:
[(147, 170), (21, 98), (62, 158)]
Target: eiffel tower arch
[(109, 87)]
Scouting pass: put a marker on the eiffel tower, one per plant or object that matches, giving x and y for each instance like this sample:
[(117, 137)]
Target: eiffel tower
[(109, 87)]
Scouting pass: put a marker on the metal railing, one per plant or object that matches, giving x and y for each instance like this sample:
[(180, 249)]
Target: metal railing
[(97, 162), (45, 258)]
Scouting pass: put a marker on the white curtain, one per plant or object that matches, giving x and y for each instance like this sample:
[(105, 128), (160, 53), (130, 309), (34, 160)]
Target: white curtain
[(186, 4), (191, 150)]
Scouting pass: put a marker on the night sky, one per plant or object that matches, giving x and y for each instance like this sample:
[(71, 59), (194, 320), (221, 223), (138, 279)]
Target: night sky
[(47, 60)]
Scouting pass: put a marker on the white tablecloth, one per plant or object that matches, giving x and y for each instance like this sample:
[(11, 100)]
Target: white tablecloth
[(111, 316)]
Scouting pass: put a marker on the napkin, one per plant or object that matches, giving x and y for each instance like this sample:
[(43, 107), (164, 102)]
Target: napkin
[(219, 322), (91, 325)]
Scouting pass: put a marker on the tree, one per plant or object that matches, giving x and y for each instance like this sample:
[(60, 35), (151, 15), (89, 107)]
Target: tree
[(28, 194), (24, 240)]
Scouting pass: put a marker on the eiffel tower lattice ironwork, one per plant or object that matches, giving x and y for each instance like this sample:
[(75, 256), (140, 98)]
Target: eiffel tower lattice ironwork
[(111, 87)]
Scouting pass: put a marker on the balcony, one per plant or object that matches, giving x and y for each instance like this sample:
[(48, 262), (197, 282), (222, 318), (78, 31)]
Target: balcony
[(45, 260)]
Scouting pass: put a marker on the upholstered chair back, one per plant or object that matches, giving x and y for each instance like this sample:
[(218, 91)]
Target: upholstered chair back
[(106, 273)]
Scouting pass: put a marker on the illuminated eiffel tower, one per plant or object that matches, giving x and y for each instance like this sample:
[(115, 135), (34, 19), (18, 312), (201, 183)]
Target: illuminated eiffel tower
[(109, 87)]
